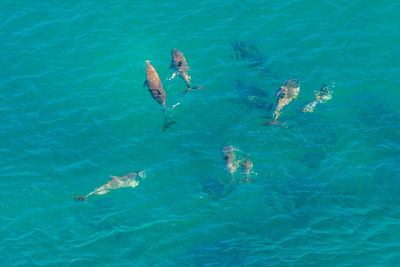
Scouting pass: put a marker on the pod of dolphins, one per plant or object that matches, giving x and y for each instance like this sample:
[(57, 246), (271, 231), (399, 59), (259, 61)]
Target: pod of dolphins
[(288, 91)]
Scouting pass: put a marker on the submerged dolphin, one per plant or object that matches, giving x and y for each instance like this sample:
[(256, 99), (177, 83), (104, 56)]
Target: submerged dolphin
[(249, 52), (321, 96), (127, 180), (251, 94), (287, 92), (181, 67)]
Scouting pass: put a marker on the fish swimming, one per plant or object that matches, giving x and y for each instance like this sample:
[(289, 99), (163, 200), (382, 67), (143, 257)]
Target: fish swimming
[(181, 67), (287, 92), (321, 96), (127, 180)]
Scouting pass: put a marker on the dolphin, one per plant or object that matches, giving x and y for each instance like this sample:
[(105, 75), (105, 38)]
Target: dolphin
[(250, 89), (321, 96), (154, 84), (181, 67), (249, 52), (232, 164), (254, 58), (287, 92), (247, 165), (230, 160), (127, 180), (253, 96)]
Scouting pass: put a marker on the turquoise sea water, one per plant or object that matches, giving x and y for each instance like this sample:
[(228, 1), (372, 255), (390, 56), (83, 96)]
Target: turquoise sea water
[(73, 111)]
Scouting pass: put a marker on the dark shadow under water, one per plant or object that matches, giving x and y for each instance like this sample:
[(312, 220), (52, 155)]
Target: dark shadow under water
[(249, 52)]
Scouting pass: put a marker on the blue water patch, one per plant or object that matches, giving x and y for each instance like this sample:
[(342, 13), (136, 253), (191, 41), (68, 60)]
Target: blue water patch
[(323, 187)]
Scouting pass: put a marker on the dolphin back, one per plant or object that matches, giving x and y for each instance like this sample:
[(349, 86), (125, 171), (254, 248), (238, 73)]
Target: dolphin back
[(154, 84)]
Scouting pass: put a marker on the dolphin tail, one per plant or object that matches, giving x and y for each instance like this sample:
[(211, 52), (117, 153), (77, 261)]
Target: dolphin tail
[(167, 121), (190, 88), (80, 198), (168, 124), (274, 123)]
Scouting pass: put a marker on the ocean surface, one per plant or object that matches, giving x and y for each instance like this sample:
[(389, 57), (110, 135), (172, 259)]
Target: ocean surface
[(325, 186)]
